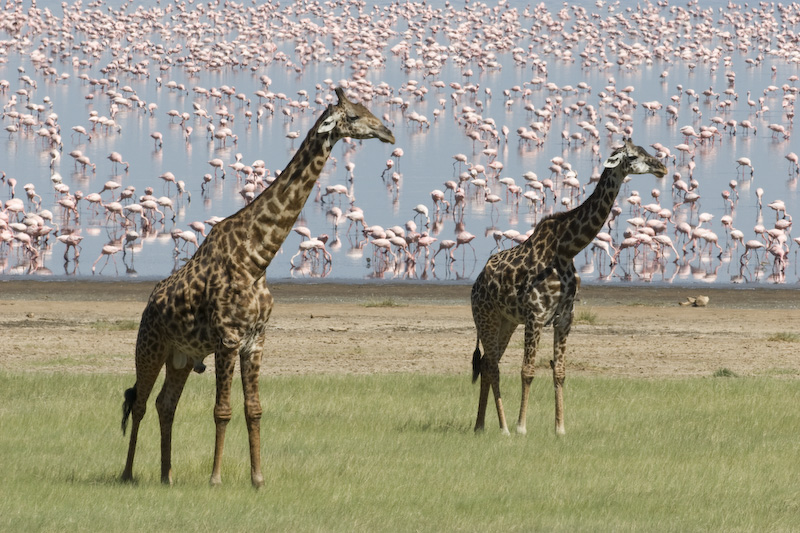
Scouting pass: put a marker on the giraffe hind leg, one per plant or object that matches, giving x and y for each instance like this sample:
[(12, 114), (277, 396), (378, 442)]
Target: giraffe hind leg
[(494, 344), (533, 331), (149, 359), (562, 326), (166, 403), (558, 364), (476, 361), (127, 408), (135, 406), (482, 401)]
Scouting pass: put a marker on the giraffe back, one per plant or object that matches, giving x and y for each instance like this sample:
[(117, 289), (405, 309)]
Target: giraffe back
[(207, 302), (516, 279)]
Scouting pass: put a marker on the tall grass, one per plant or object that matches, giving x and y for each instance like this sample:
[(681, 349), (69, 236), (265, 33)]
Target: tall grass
[(397, 452)]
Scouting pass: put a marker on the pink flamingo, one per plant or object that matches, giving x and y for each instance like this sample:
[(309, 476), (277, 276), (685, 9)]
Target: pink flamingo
[(397, 153), (744, 162), (217, 164), (116, 158), (465, 237), (748, 246), (158, 139), (198, 227), (448, 245), (108, 252), (71, 240)]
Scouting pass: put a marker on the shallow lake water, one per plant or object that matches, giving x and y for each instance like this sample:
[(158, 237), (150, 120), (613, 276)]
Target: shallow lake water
[(473, 70)]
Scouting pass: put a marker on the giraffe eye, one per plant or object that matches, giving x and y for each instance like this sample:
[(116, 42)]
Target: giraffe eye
[(352, 118)]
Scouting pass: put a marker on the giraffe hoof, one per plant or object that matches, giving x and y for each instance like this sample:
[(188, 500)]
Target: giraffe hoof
[(522, 430), (505, 431), (215, 481), (258, 481)]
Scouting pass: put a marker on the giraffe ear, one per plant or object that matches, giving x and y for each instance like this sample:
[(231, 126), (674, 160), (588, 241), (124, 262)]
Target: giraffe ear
[(614, 160), (327, 125)]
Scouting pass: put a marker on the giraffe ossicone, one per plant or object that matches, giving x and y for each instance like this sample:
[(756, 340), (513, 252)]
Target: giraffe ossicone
[(218, 302), (535, 284)]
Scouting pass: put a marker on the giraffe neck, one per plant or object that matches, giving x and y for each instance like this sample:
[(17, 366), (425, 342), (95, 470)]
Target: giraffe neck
[(579, 226), (264, 224)]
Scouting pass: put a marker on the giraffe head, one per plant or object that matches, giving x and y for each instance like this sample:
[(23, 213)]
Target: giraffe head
[(349, 119), (632, 159)]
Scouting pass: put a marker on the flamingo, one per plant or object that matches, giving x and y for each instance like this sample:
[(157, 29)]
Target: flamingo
[(108, 252), (744, 162), (422, 210), (752, 244), (465, 237), (217, 164)]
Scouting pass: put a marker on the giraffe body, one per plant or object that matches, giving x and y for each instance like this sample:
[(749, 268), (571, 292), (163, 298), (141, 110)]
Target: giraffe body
[(535, 284), (218, 302)]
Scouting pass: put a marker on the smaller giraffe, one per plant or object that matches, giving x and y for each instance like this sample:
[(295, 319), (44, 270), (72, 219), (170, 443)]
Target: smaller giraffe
[(535, 283)]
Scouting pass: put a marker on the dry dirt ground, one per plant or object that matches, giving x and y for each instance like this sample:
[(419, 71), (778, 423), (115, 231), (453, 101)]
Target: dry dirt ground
[(56, 326)]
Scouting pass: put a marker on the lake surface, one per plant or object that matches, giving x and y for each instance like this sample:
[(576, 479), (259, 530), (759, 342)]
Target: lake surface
[(466, 67)]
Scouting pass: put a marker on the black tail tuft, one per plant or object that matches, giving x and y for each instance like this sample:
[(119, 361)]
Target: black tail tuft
[(127, 406), (476, 362)]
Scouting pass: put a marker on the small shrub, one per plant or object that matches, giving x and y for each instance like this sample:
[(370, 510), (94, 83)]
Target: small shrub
[(116, 325), (784, 337), (388, 302), (586, 317), (725, 373)]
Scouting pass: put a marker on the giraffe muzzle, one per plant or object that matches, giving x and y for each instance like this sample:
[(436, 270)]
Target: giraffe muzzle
[(384, 134)]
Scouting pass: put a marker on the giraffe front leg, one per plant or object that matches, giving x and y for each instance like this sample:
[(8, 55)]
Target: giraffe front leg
[(224, 361), (533, 331), (498, 402), (251, 367), (166, 403), (558, 364)]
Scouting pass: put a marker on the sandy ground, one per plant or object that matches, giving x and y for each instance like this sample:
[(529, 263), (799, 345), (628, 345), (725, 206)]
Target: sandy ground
[(356, 329)]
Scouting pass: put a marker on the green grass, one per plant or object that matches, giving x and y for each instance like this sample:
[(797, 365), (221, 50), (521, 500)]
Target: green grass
[(584, 316), (784, 337), (397, 452), (386, 302), (115, 325)]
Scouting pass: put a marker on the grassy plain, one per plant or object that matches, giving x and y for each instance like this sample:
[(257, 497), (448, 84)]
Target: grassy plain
[(396, 452)]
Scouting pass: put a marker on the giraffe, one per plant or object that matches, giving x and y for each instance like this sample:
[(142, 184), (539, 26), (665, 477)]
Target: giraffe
[(219, 301), (535, 283)]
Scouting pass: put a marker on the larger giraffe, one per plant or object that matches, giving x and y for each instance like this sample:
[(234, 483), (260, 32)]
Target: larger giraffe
[(535, 284), (219, 301)]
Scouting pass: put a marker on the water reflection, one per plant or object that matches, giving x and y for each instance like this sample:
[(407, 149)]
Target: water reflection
[(131, 134)]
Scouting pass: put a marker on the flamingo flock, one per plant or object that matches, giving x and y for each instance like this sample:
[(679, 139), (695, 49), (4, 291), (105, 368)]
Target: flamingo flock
[(172, 115)]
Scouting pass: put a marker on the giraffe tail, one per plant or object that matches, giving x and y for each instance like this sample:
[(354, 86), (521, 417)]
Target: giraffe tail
[(127, 406), (476, 361)]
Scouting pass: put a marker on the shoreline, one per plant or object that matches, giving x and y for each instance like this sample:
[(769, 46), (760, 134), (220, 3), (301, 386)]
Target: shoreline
[(340, 328), (455, 293)]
